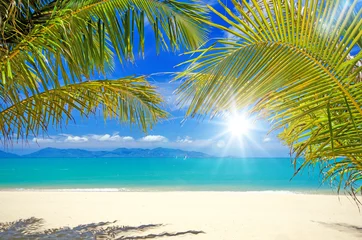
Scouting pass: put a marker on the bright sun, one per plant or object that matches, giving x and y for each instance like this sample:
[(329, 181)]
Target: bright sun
[(238, 125)]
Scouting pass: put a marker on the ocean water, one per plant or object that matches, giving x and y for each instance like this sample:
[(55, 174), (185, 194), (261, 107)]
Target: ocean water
[(156, 174)]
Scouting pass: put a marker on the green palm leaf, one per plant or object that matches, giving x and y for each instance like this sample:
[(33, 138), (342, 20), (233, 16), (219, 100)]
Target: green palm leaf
[(291, 58), (44, 41), (130, 99), (47, 47)]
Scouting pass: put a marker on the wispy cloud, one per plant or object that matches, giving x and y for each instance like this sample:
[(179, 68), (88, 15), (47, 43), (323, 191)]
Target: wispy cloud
[(230, 35), (76, 139), (111, 138), (43, 140), (167, 90), (154, 138), (187, 139), (128, 138)]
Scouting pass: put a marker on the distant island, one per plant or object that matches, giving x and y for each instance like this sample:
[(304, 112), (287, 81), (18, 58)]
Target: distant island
[(117, 153)]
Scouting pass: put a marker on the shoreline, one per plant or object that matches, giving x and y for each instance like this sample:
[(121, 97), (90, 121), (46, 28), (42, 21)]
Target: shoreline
[(171, 190)]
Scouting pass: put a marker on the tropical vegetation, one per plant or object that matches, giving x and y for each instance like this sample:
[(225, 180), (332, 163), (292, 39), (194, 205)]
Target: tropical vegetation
[(50, 51), (296, 63)]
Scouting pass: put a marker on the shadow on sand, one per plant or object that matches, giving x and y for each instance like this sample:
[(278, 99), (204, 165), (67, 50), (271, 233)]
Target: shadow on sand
[(343, 227), (31, 229)]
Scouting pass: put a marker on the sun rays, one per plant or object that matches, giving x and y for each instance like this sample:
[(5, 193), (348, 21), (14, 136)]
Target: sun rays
[(239, 131), (238, 124)]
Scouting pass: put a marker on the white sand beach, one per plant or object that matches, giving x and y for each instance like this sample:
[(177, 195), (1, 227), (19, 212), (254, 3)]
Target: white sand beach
[(220, 215)]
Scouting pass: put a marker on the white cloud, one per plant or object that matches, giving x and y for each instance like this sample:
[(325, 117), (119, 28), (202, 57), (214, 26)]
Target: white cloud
[(98, 137), (107, 137), (187, 139), (76, 139), (128, 138), (267, 139), (43, 140), (113, 138), (154, 138)]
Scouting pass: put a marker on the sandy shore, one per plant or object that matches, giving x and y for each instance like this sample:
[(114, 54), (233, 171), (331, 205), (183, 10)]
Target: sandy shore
[(220, 215)]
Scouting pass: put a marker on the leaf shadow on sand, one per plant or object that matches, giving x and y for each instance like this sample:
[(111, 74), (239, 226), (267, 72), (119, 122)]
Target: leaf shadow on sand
[(31, 229), (343, 227)]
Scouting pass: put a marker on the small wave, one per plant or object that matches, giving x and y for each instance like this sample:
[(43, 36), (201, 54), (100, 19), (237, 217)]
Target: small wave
[(274, 192), (68, 189), (299, 191)]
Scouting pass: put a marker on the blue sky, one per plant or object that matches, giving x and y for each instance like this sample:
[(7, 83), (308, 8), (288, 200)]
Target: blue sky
[(206, 135), (209, 136)]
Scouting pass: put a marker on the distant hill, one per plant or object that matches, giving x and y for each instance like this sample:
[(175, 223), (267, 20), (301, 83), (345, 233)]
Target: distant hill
[(158, 152), (63, 153), (7, 155), (117, 153)]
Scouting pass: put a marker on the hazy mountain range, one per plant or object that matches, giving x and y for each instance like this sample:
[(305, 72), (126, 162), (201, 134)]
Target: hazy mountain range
[(117, 153)]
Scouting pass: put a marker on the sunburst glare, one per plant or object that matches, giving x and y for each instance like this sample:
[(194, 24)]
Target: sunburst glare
[(238, 125)]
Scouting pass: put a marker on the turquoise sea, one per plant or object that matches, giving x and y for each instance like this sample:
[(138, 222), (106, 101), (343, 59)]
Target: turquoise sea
[(156, 174)]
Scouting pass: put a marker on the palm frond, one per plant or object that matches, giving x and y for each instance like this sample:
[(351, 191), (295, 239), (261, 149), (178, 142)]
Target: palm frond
[(47, 47), (130, 99), (45, 44), (293, 60)]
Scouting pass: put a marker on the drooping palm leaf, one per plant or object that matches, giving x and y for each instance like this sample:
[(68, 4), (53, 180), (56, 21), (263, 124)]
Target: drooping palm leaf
[(291, 58), (130, 99), (48, 45), (43, 41)]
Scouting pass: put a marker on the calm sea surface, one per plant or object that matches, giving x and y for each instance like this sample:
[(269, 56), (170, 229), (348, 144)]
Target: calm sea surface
[(156, 174)]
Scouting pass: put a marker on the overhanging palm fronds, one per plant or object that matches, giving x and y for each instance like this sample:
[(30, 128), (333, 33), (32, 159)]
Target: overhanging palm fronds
[(47, 46), (130, 99), (291, 58), (42, 41)]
